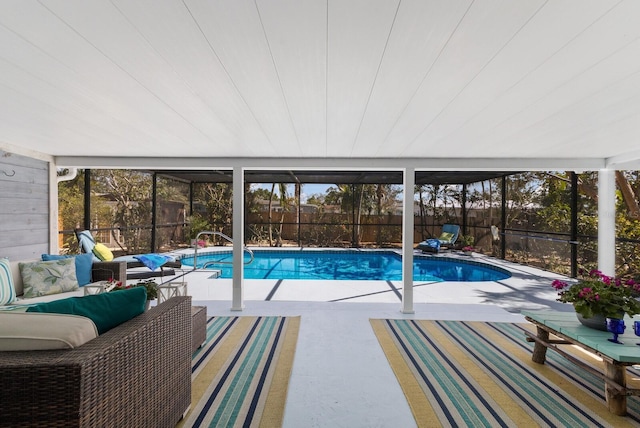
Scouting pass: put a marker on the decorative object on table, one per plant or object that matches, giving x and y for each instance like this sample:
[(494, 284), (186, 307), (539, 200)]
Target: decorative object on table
[(112, 284), (636, 329), (96, 288), (104, 286), (149, 284), (617, 327), (599, 296)]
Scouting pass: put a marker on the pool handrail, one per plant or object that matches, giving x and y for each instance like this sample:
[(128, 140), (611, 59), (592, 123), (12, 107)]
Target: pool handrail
[(216, 233)]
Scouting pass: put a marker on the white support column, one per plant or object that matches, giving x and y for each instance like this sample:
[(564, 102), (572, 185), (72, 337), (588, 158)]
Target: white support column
[(607, 222), (237, 303), (409, 180), (53, 209)]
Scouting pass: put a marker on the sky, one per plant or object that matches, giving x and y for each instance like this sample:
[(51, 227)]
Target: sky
[(312, 189), (307, 189)]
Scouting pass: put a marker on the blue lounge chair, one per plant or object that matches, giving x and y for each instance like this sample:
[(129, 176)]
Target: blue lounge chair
[(447, 238), (87, 242)]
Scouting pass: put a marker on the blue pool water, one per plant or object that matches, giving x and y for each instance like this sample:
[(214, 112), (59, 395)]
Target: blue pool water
[(349, 265)]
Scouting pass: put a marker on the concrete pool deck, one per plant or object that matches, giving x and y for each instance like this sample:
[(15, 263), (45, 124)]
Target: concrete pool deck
[(340, 376), (527, 288)]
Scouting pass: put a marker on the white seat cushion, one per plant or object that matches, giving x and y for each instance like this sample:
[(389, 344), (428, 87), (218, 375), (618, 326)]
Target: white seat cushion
[(49, 298), (29, 331)]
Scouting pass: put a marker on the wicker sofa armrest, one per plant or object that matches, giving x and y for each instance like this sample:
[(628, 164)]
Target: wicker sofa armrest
[(137, 374), (103, 271)]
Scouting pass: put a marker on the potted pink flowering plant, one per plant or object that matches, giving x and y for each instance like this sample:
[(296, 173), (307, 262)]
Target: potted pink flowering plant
[(601, 296), (150, 285)]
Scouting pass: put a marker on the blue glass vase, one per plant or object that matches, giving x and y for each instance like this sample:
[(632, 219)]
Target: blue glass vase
[(617, 327)]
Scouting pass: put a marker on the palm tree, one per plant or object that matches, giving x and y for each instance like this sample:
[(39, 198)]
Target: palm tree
[(284, 203), (419, 189)]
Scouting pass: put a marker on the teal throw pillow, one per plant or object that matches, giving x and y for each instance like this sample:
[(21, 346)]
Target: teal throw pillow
[(106, 310), (84, 263)]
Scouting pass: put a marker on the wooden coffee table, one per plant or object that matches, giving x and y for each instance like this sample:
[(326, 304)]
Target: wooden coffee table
[(568, 330)]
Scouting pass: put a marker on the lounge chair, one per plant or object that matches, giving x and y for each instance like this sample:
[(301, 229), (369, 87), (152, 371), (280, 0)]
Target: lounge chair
[(161, 268), (447, 239)]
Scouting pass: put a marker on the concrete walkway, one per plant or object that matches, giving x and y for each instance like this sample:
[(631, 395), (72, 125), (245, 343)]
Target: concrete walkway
[(340, 375)]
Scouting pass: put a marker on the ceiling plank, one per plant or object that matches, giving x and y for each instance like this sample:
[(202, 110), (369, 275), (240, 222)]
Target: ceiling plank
[(358, 32), (235, 33), (567, 76), (471, 48), (420, 31), (532, 44), (296, 32), (170, 30)]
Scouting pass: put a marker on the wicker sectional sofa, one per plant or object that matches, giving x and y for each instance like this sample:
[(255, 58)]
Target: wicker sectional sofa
[(135, 375)]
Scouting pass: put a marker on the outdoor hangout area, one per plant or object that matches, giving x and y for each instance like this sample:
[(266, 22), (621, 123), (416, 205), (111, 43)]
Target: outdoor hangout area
[(319, 214)]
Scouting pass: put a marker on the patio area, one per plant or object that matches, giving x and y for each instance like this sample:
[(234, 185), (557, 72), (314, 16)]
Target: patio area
[(340, 375), (407, 88)]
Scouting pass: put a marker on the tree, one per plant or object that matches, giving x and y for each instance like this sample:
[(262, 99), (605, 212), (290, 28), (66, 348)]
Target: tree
[(284, 204), (344, 195), (131, 215), (356, 199), (317, 200), (71, 209), (386, 197), (215, 206), (420, 190)]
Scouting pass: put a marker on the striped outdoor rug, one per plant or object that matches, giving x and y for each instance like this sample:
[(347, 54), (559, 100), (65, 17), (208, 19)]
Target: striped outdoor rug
[(481, 375), (240, 377)]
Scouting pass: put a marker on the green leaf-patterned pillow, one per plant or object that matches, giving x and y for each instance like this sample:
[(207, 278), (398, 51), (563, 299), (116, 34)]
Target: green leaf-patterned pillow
[(52, 277), (446, 236)]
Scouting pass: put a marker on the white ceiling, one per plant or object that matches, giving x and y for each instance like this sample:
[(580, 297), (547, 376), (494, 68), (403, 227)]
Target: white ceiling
[(504, 81)]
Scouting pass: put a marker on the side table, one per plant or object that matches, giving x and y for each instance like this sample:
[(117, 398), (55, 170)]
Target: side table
[(568, 331), (171, 289), (199, 325)]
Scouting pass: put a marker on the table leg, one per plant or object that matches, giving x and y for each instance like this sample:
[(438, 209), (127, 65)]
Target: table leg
[(539, 349), (617, 402)]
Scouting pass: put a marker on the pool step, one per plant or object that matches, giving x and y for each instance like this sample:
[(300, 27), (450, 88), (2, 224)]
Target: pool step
[(215, 274)]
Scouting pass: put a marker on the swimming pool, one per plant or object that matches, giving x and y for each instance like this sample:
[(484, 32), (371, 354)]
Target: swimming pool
[(348, 265)]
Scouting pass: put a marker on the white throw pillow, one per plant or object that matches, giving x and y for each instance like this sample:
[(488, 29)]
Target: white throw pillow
[(31, 331), (7, 290)]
